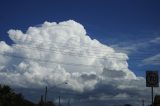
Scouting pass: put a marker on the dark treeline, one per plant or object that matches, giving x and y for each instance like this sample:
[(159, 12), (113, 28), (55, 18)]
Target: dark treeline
[(10, 98)]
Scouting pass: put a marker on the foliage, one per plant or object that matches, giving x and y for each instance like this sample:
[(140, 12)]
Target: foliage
[(9, 98)]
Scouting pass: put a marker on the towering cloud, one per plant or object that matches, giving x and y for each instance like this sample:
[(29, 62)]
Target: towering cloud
[(57, 52)]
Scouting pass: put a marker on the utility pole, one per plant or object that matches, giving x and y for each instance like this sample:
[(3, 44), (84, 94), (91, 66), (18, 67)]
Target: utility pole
[(45, 97), (142, 102), (69, 102), (152, 80), (152, 96), (59, 101)]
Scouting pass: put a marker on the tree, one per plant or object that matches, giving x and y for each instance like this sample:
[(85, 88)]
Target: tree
[(9, 98)]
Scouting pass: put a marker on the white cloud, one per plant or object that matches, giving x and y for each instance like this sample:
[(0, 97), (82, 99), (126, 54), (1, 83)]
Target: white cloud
[(122, 95), (156, 40), (130, 47), (133, 46), (154, 60), (124, 49), (57, 52)]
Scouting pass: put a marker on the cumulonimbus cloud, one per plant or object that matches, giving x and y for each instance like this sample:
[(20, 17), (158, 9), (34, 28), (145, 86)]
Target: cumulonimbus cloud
[(57, 52)]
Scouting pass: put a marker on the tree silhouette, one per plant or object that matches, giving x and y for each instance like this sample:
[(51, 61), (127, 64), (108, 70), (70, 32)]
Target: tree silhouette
[(9, 98)]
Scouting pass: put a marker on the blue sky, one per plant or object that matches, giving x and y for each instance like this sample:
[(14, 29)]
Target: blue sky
[(109, 21), (130, 26)]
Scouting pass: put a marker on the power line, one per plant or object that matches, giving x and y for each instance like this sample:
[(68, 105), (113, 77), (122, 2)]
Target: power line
[(156, 61), (56, 62), (74, 54), (85, 47), (48, 61), (80, 55)]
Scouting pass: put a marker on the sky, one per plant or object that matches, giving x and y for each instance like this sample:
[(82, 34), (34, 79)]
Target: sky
[(108, 44)]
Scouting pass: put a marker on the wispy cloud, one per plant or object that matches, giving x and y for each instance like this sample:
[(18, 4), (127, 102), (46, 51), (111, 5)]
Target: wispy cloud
[(154, 60), (156, 40), (130, 47), (136, 48)]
